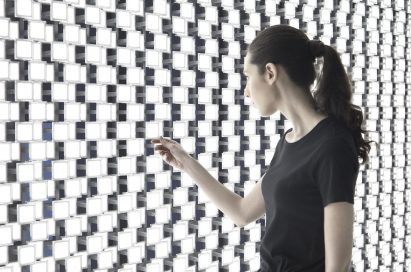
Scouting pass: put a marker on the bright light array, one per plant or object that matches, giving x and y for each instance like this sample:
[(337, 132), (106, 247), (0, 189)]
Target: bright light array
[(85, 86)]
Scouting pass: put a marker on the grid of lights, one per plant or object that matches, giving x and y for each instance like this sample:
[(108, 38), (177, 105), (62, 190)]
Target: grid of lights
[(84, 86)]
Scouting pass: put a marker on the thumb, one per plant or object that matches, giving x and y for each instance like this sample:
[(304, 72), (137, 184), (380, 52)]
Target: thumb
[(164, 141)]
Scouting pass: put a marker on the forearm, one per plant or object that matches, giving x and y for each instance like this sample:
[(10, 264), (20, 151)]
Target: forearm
[(224, 199), (336, 268)]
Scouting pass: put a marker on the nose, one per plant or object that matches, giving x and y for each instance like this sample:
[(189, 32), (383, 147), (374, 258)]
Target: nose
[(246, 92)]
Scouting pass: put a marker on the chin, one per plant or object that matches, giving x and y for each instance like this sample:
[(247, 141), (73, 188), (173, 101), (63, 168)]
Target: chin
[(267, 114)]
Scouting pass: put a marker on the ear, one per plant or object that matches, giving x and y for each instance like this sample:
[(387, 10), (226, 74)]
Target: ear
[(271, 72)]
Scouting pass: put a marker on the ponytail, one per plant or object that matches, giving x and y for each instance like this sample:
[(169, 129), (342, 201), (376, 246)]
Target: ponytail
[(333, 96)]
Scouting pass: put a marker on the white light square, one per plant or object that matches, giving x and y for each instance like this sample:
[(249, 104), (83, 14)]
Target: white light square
[(105, 223), (38, 190), (37, 111), (93, 130), (24, 132), (73, 226), (37, 71), (105, 259), (104, 186), (93, 15), (4, 27), (23, 8), (160, 7), (74, 263), (74, 149), (124, 94), (25, 213), (211, 14), (135, 218), (93, 54), (179, 25), (126, 166), (135, 75), (105, 112), (124, 203), (105, 3), (124, 56), (58, 11), (59, 91), (26, 254), (204, 29), (5, 152), (125, 130), (105, 149), (187, 45), (135, 39), (94, 244), (6, 194), (24, 49), (61, 249), (72, 187), (60, 131), (104, 74), (38, 231), (72, 72), (6, 235), (123, 18), (135, 254), (60, 169), (72, 33), (24, 90), (72, 112), (153, 22), (61, 209), (162, 77), (4, 67), (133, 5), (94, 167), (94, 92), (103, 36), (37, 30)]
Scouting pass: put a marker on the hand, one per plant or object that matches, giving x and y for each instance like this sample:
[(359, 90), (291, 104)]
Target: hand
[(172, 152)]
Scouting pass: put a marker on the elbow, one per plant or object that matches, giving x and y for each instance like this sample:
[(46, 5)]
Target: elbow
[(241, 221), (241, 224)]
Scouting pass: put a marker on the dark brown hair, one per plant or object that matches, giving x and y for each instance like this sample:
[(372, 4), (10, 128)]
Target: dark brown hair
[(295, 52)]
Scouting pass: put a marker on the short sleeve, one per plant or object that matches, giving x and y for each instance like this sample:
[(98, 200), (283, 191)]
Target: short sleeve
[(337, 171)]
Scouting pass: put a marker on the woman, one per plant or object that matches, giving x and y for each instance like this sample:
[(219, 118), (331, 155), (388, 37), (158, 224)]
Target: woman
[(307, 192)]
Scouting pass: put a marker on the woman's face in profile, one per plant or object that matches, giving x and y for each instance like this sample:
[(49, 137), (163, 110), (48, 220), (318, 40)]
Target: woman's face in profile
[(257, 89)]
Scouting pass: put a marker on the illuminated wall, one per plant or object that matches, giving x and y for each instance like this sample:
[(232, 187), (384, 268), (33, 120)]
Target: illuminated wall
[(85, 86)]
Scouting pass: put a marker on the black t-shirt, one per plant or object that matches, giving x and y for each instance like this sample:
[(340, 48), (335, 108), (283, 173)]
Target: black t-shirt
[(303, 177)]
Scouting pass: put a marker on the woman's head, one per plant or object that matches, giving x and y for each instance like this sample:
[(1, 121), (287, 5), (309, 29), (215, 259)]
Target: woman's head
[(282, 54), (280, 58)]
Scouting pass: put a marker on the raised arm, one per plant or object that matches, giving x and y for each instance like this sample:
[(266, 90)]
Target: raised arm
[(240, 210), (252, 205), (225, 200)]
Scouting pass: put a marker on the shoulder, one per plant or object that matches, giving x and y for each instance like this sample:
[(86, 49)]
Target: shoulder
[(337, 145), (337, 134), (337, 140), (339, 151)]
